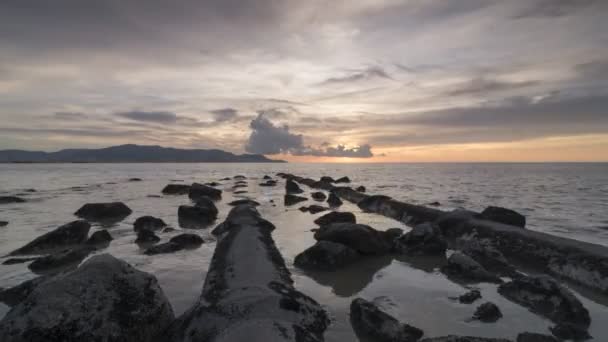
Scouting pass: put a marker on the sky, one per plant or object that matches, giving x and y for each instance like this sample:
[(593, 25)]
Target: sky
[(315, 80)]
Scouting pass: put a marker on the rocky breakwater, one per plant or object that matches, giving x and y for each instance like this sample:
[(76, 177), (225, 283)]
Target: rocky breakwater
[(248, 292)]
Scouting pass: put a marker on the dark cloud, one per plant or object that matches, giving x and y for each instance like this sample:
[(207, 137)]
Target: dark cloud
[(159, 117), (482, 85), (369, 73), (553, 8), (597, 69), (224, 114)]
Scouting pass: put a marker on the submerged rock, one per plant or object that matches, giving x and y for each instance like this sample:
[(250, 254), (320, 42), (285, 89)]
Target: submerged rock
[(69, 234), (146, 236), (176, 189), (333, 200), (423, 239), (327, 179), (135, 179), (503, 215), (292, 187), (3, 223), (293, 199), (360, 188), (266, 177), (313, 209), (534, 337), (469, 297), (16, 294), (103, 211), (99, 237), (244, 201), (199, 190), (487, 312), (342, 180), (150, 223), (269, 182), (463, 267), (326, 256), (336, 217), (61, 260), (203, 213), (213, 184), (369, 320), (239, 177), (362, 238), (177, 243), (455, 338), (11, 199), (318, 196), (105, 299)]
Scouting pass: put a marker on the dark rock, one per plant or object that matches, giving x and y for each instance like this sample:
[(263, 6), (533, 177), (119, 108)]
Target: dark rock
[(342, 180), (176, 189), (293, 199), (360, 188), (14, 261), (103, 211), (392, 233), (69, 234), (196, 216), (373, 203), (241, 192), (168, 230), (61, 260), (503, 215), (313, 209), (488, 256), (369, 320), (487, 312), (16, 294), (135, 179), (239, 186), (241, 182), (212, 184), (469, 297), (150, 223), (99, 237), (464, 268), (534, 337), (327, 179), (187, 240), (544, 296), (455, 338), (154, 196), (362, 238), (207, 204), (269, 183), (292, 187), (333, 200), (434, 204), (566, 331), (11, 199), (318, 196), (146, 236), (266, 177), (326, 256), (200, 190), (177, 243), (240, 177), (244, 201), (105, 299), (30, 190), (335, 217), (163, 248), (3, 223), (423, 239)]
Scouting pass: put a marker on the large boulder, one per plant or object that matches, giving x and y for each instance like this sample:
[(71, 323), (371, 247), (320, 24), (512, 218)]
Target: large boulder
[(313, 209), (177, 243), (200, 190), (370, 321), (197, 216), (61, 260), (318, 196), (336, 217), (69, 234), (360, 237), (244, 201), (544, 296), (146, 236), (469, 297), (504, 215), (463, 267), (150, 223), (14, 295), (373, 203), (423, 239), (333, 200), (342, 180), (326, 256), (487, 312), (99, 237), (105, 299), (176, 189), (11, 199), (292, 187), (327, 179), (290, 199), (104, 211)]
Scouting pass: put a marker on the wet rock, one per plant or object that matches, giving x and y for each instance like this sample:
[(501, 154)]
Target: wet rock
[(244, 201), (177, 243), (241, 182), (239, 186), (240, 192), (135, 179), (293, 199), (212, 184), (534, 337), (454, 338), (266, 177), (11, 199), (168, 230), (336, 217), (333, 200), (469, 297), (146, 236), (269, 183), (99, 237), (226, 179), (487, 312), (105, 299), (342, 180), (326, 256), (544, 296), (196, 216), (327, 179), (313, 209), (565, 331), (362, 238), (14, 261), (187, 240), (373, 203), (488, 256), (3, 223), (463, 267), (69, 234), (369, 320), (154, 196), (360, 188), (503, 215), (150, 223), (434, 204), (199, 190), (16, 294), (176, 189), (318, 196), (29, 190), (61, 260), (240, 177), (392, 233), (103, 211), (292, 187), (423, 239)]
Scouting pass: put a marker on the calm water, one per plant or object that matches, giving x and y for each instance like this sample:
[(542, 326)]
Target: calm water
[(563, 199)]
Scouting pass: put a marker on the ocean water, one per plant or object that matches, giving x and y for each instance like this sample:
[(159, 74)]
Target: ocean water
[(569, 200)]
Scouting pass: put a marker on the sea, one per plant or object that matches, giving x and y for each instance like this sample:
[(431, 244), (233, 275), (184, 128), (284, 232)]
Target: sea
[(565, 199)]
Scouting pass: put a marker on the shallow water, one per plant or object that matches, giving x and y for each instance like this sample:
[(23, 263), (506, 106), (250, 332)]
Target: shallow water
[(564, 199)]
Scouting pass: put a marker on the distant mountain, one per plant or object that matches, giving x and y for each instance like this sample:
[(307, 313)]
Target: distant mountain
[(131, 154)]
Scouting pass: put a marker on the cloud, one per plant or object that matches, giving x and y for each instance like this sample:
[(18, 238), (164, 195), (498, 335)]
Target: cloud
[(369, 73), (224, 114), (159, 117), (363, 151), (553, 8), (481, 85), (69, 115)]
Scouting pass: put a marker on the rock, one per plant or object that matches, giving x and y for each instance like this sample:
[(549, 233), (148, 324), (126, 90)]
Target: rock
[(463, 267), (369, 320), (150, 223), (434, 204), (207, 204), (238, 186), (146, 236), (29, 190), (373, 203), (241, 182), (392, 233), (488, 256), (69, 234), (17, 294), (534, 337), (333, 200), (154, 196), (244, 201), (293, 199), (176, 189), (103, 211), (135, 179), (359, 237), (544, 296), (503, 215), (269, 183), (342, 180), (196, 216), (239, 177), (199, 190), (240, 192), (454, 338), (213, 184), (105, 299), (163, 248), (469, 297), (168, 230), (292, 187), (313, 209), (487, 312), (3, 223), (326, 256), (61, 260), (99, 237), (187, 240), (266, 177), (423, 239), (177, 243), (565, 331), (327, 179), (318, 196), (226, 179), (11, 199), (335, 217), (360, 188), (14, 261)]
